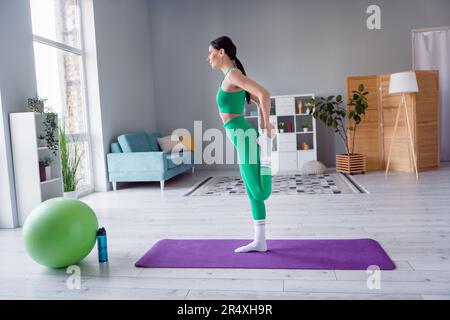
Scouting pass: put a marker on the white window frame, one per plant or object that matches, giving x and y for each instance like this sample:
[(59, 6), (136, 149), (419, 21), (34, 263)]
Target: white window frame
[(84, 136)]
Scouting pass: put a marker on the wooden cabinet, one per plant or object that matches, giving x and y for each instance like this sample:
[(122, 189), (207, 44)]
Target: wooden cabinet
[(374, 134)]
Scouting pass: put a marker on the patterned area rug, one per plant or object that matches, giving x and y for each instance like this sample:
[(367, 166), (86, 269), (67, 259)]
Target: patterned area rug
[(329, 183)]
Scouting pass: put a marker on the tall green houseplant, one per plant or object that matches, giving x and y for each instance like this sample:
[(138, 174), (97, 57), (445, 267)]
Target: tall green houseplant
[(330, 111), (70, 160)]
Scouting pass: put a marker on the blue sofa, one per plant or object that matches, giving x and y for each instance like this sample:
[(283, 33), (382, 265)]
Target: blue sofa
[(138, 157)]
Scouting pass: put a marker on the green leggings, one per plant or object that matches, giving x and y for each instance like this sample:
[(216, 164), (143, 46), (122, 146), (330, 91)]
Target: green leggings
[(257, 179)]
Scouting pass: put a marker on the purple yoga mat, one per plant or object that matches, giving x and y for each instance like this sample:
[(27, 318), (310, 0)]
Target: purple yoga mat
[(354, 254)]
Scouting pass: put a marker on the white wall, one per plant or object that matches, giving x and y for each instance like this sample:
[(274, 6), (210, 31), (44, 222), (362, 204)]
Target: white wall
[(17, 83), (7, 196)]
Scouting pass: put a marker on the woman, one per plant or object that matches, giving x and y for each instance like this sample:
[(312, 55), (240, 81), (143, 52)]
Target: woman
[(234, 89)]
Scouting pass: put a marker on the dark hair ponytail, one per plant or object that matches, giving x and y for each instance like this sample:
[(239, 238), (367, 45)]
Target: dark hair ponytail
[(225, 43)]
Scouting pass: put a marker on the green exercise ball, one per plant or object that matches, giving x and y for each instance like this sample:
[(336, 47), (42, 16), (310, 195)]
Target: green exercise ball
[(60, 232)]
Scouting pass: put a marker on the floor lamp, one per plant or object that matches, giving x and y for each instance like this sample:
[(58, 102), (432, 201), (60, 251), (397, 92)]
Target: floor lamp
[(404, 83)]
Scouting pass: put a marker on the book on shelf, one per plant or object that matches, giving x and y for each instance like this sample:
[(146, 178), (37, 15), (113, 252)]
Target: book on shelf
[(290, 127)]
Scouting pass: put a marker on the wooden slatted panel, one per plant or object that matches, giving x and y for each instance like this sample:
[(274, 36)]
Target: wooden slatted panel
[(428, 125), (368, 135)]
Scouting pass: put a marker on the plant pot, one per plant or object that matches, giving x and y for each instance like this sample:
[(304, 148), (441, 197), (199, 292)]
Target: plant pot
[(353, 163), (305, 129), (71, 194), (42, 143), (48, 173), (281, 130)]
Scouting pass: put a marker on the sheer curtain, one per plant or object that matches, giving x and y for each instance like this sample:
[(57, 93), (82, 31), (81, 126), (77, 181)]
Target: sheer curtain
[(431, 51)]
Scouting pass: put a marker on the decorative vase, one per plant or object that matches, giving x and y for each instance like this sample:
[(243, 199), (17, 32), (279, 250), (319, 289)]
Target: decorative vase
[(48, 172), (71, 194), (41, 171), (351, 163), (299, 105)]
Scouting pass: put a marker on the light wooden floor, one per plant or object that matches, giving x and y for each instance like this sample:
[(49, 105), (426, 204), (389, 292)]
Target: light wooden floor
[(411, 221)]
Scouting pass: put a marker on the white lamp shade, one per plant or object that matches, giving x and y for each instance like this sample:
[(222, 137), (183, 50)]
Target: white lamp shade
[(403, 82)]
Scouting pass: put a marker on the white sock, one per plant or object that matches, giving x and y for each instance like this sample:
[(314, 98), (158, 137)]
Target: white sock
[(265, 151), (259, 244)]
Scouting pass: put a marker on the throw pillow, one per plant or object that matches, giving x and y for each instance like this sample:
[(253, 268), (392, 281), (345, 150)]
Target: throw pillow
[(170, 143)]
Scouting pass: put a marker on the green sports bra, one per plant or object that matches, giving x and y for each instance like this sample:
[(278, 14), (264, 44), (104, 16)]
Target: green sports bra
[(230, 102)]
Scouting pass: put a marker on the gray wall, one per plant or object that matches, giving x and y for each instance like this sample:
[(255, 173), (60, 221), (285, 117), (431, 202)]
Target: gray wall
[(124, 64), (287, 46), (125, 84), (17, 82)]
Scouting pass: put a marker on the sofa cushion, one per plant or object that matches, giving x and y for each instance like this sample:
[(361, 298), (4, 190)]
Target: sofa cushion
[(134, 142), (170, 143), (115, 148), (152, 139)]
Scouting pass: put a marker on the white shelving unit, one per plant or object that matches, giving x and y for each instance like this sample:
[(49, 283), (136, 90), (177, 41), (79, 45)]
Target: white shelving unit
[(293, 147), (30, 190)]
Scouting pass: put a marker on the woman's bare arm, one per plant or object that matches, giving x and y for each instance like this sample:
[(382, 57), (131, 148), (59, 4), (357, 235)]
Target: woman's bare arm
[(258, 93), (254, 99)]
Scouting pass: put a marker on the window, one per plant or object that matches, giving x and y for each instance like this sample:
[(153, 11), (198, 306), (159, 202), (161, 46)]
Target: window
[(59, 60)]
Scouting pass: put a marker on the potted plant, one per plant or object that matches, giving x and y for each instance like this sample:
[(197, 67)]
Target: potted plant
[(281, 126), (48, 169), (36, 104), (51, 128), (305, 127), (70, 161), (41, 141), (330, 112)]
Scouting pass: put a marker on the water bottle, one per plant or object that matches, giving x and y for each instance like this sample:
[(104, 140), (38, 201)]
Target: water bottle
[(102, 245)]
